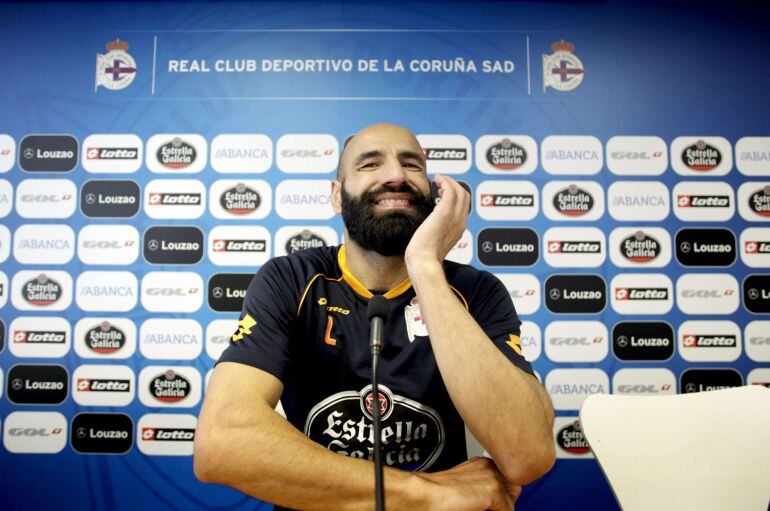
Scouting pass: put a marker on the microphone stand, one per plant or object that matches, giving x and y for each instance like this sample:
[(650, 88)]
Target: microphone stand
[(377, 311)]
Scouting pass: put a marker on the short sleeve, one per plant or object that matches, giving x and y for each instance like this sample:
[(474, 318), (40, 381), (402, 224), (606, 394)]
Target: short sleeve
[(493, 310), (262, 339)]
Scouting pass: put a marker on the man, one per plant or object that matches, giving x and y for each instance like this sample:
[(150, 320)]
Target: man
[(451, 356)]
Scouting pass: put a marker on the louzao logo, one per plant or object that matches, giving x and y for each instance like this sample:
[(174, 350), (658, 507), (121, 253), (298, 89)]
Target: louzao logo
[(173, 245), (575, 294), (110, 199), (48, 153), (701, 380), (102, 433), (705, 247), (643, 340), (508, 247), (756, 293), (37, 384), (228, 290)]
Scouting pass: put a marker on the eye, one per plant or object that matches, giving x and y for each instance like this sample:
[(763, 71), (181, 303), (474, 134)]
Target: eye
[(368, 166), (413, 166)]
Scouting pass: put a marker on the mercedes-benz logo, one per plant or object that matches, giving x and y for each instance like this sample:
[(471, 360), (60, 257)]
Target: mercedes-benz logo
[(90, 198), (685, 247), (153, 244), (17, 384), (29, 153), (555, 294), (753, 293), (81, 432), (487, 246), (690, 387), (622, 341), (217, 292)]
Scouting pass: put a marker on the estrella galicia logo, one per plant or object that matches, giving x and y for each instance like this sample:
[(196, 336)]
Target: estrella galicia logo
[(705, 247), (176, 154), (756, 293), (110, 199), (506, 155), (41, 291), (759, 201), (227, 291), (170, 387), (48, 153), (643, 340), (37, 384), (640, 247), (102, 433), (701, 380), (240, 200), (173, 245), (701, 156), (575, 294), (573, 201), (571, 439), (503, 246), (105, 338), (304, 240)]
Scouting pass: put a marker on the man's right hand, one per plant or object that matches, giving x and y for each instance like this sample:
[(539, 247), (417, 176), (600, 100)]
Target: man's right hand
[(474, 485)]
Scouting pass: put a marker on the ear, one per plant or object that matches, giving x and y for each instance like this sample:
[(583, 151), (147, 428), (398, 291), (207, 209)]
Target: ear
[(337, 196)]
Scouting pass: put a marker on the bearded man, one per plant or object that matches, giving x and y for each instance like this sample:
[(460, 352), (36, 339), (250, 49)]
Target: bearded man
[(452, 357)]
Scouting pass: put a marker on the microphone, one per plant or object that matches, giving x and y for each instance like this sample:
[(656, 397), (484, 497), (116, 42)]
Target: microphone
[(377, 312)]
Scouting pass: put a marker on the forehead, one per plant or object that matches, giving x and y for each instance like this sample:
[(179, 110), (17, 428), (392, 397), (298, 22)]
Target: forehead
[(386, 139)]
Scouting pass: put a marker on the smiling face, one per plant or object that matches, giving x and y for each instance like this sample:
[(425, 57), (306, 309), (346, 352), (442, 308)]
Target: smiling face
[(383, 190)]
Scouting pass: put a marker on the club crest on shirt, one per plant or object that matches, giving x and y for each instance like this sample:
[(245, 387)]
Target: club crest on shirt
[(415, 326)]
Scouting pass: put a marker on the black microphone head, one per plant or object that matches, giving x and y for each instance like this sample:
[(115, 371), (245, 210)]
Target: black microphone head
[(378, 307)]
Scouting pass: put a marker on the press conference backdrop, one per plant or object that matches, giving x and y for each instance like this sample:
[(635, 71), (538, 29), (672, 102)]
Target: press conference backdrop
[(153, 156)]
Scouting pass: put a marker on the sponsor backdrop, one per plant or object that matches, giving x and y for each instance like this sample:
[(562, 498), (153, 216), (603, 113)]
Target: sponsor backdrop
[(153, 156)]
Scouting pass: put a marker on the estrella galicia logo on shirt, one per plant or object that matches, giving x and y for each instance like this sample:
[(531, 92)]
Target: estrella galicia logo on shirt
[(227, 291), (575, 294), (503, 246), (102, 433), (413, 434), (37, 384), (705, 247), (643, 340), (110, 199), (756, 293), (173, 245), (48, 153), (701, 380)]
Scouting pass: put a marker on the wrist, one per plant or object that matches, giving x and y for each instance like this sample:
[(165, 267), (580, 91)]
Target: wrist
[(407, 489), (423, 268)]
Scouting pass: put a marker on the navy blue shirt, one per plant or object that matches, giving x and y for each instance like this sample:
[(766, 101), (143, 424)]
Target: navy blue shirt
[(304, 321)]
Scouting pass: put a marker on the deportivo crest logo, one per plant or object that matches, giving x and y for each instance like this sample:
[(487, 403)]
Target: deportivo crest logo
[(701, 156), (415, 326), (41, 291), (562, 70), (413, 434), (176, 154), (506, 155), (116, 69), (640, 247), (240, 200), (573, 201)]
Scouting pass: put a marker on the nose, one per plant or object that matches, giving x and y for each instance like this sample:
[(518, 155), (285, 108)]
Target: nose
[(392, 172)]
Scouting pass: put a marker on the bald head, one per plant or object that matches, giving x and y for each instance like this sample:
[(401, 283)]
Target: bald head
[(378, 140)]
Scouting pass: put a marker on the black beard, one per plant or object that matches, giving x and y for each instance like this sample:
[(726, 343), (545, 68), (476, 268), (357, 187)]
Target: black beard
[(387, 233)]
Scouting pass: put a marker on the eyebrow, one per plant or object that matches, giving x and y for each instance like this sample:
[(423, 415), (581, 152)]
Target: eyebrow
[(377, 154)]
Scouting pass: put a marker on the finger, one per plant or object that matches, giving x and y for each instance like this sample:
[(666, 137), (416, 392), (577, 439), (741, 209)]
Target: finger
[(514, 491)]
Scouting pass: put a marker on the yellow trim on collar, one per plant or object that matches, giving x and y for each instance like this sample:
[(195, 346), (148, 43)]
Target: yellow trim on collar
[(358, 287)]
